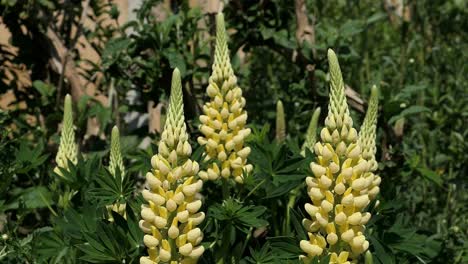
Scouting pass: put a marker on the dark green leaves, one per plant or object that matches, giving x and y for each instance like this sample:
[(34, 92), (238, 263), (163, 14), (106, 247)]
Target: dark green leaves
[(29, 158), (238, 215), (414, 109), (111, 189), (31, 198), (277, 167), (431, 175)]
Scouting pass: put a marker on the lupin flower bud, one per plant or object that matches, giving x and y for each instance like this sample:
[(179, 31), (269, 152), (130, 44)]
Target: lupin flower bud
[(224, 119), (311, 135), (280, 122), (115, 159), (369, 258), (67, 148), (340, 186), (367, 136), (170, 218)]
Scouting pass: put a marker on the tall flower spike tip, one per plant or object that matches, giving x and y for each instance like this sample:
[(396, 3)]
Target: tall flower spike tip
[(115, 160), (170, 217), (67, 148), (224, 118), (339, 184), (311, 135), (367, 136), (280, 122), (338, 107)]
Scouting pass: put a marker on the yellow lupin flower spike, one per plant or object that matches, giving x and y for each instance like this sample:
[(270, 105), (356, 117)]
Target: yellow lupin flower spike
[(170, 218), (339, 187), (67, 148), (367, 136), (224, 119), (280, 122)]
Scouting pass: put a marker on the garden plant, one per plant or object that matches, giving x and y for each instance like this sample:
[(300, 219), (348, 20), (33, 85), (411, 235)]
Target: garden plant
[(233, 132)]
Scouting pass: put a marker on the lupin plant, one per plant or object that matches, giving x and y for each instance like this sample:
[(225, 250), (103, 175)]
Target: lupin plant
[(311, 135), (340, 186), (68, 150), (170, 217), (224, 119), (367, 135), (116, 162), (280, 122)]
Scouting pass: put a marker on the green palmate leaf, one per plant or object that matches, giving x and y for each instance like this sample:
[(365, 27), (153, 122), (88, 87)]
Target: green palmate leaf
[(29, 158), (277, 168), (81, 174), (109, 243), (266, 254), (240, 216), (261, 158), (73, 223), (112, 190), (52, 247)]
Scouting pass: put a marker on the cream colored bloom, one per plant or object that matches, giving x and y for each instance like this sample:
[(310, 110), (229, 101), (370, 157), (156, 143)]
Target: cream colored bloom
[(170, 218), (339, 188), (224, 118), (67, 149)]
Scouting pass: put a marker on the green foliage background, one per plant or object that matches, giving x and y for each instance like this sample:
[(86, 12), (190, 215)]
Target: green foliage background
[(419, 65)]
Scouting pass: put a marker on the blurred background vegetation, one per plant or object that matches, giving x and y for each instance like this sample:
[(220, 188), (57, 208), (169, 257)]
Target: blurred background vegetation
[(116, 57)]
